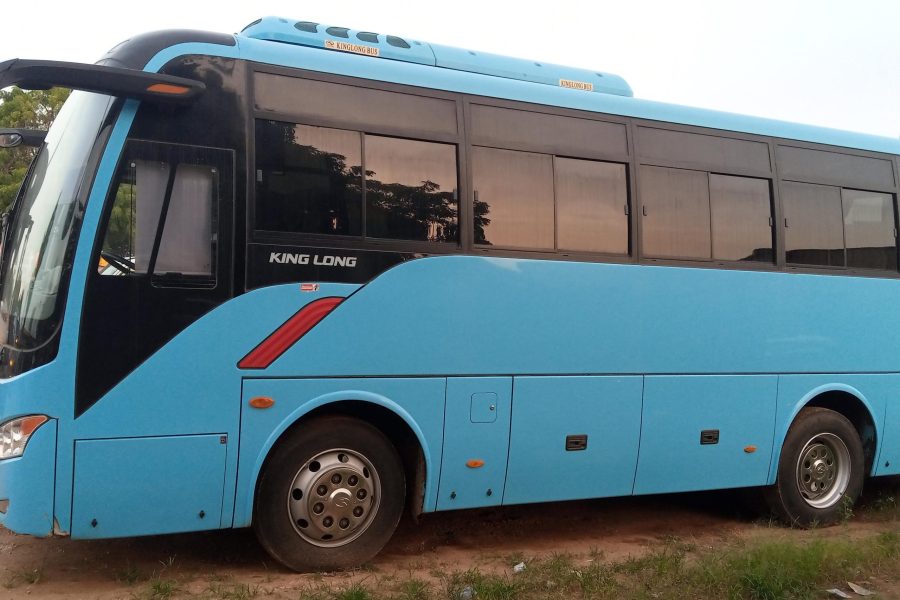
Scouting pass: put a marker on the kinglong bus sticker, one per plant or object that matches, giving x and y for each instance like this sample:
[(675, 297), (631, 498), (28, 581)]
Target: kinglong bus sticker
[(576, 85), (354, 48), (323, 260)]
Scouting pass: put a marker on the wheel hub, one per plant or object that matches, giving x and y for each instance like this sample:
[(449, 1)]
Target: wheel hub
[(823, 470), (334, 498)]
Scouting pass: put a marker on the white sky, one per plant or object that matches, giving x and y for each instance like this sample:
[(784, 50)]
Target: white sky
[(834, 63)]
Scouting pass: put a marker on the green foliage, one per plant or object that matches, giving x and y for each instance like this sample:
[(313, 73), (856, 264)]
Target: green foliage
[(162, 589), (27, 577), (27, 110), (354, 592)]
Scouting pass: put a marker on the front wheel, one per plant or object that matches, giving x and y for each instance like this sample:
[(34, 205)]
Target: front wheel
[(330, 495), (820, 473)]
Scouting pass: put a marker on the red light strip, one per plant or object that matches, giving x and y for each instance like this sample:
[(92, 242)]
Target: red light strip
[(288, 334)]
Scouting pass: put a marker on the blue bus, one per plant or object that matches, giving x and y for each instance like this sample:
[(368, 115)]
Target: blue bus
[(305, 278)]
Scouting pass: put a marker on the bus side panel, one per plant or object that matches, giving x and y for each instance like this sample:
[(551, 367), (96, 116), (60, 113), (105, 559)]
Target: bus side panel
[(148, 486), (418, 401), (706, 432), (468, 315), (876, 392), (476, 429), (547, 411), (189, 386)]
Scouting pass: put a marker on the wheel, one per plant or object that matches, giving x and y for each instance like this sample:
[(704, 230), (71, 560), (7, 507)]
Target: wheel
[(820, 473), (330, 495)]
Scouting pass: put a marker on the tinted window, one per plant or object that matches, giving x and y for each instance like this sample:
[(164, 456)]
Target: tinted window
[(869, 230), (676, 212), (834, 167), (410, 189), (308, 179), (552, 134), (741, 210), (813, 233), (705, 151), (591, 198), (513, 198), (355, 107)]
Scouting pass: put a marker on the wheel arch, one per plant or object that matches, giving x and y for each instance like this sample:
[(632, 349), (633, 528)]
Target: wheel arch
[(845, 400), (381, 412)]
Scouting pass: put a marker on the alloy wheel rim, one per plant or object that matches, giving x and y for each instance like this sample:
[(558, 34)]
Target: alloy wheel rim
[(334, 498), (823, 470)]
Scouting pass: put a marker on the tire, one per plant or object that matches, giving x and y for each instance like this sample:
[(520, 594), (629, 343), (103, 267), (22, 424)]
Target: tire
[(820, 472), (330, 495)]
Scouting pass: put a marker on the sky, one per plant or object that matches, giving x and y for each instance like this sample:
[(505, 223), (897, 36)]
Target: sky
[(834, 63)]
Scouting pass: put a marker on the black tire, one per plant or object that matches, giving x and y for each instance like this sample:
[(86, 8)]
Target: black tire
[(820, 472), (293, 526)]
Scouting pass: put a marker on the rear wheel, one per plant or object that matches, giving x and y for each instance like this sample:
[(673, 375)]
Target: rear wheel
[(330, 495), (820, 473)]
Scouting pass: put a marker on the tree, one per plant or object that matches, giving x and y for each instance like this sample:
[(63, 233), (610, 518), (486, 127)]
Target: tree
[(26, 110)]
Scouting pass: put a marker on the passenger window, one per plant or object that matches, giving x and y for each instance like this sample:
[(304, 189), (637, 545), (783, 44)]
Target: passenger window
[(513, 198), (410, 190), (813, 233), (591, 205), (308, 179), (741, 213), (676, 213), (869, 230)]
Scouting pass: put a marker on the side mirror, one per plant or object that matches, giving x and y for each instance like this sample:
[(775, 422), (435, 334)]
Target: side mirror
[(10, 138)]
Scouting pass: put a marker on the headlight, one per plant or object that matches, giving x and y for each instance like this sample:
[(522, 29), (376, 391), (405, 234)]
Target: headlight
[(14, 434)]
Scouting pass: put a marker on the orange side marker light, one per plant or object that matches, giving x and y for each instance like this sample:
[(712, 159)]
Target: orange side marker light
[(30, 424), (167, 88), (750, 449), (262, 402), (475, 463)]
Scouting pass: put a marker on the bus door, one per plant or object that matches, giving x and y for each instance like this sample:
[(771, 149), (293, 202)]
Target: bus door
[(164, 259)]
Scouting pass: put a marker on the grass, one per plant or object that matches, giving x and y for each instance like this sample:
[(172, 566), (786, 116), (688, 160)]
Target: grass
[(129, 575), (235, 591), (354, 592), (756, 570), (24, 577), (413, 589), (160, 589)]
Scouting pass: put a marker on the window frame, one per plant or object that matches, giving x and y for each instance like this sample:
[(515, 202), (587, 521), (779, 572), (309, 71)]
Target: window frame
[(221, 184), (361, 242), (845, 268), (633, 159)]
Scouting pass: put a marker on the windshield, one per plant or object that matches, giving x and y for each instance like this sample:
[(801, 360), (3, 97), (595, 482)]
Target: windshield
[(44, 217)]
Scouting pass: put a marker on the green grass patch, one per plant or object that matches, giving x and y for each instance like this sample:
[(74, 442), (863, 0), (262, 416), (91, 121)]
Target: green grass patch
[(24, 577), (161, 589), (236, 591)]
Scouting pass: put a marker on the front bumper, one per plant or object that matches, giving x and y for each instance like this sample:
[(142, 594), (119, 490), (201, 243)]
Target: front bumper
[(26, 485)]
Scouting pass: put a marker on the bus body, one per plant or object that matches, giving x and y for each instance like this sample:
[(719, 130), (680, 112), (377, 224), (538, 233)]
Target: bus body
[(359, 273)]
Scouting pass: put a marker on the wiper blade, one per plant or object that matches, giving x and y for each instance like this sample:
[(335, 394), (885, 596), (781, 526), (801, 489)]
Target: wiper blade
[(114, 81)]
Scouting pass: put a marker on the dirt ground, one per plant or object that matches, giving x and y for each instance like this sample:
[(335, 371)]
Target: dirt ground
[(490, 540)]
